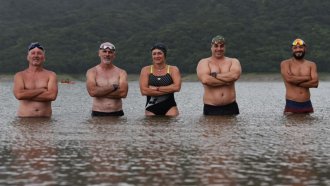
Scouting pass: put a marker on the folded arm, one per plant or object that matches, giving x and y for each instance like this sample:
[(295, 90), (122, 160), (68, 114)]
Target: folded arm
[(93, 89), (314, 79), (48, 93), (232, 75), (120, 90)]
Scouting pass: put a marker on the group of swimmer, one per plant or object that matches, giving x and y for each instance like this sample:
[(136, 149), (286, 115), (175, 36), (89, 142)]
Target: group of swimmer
[(36, 87)]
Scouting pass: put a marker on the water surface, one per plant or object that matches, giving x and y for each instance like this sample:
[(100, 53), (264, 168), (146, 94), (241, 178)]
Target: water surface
[(260, 146)]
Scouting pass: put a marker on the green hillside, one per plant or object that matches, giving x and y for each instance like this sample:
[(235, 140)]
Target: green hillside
[(259, 32)]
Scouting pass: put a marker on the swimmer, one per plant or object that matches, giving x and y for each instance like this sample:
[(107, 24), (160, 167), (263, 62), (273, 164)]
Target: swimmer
[(299, 75), (158, 82), (107, 84), (35, 87), (218, 75)]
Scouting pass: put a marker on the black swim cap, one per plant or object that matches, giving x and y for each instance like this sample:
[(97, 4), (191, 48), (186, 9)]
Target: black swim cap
[(161, 47), (35, 45)]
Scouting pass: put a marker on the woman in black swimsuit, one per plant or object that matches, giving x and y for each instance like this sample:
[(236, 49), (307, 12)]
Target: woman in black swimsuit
[(158, 82)]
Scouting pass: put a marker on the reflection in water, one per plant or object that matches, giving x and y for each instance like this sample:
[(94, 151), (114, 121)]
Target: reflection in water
[(261, 146)]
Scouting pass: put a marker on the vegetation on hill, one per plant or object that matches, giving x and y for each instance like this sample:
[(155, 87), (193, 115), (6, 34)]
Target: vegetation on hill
[(258, 32)]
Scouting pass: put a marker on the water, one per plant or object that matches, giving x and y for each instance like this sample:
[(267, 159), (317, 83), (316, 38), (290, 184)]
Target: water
[(258, 147)]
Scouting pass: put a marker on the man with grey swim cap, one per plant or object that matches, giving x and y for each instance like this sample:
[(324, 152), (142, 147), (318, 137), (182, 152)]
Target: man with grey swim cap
[(218, 74)]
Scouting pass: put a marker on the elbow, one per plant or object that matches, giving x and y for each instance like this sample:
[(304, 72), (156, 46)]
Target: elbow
[(53, 98), (123, 94), (204, 81), (18, 97), (143, 93), (177, 88), (91, 93), (237, 77)]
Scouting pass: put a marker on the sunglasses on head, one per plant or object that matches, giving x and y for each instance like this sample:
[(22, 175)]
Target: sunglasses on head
[(297, 42), (107, 47), (35, 45)]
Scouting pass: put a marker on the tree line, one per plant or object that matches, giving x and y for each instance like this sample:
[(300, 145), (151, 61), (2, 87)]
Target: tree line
[(258, 32)]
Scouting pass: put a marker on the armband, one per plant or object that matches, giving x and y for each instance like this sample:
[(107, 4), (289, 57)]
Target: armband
[(214, 74), (115, 87)]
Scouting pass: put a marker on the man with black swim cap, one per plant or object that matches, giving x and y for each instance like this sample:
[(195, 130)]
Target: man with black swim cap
[(35, 87), (299, 75)]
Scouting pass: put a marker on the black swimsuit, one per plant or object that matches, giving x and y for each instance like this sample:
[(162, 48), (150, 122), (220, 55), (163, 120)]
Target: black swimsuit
[(160, 105)]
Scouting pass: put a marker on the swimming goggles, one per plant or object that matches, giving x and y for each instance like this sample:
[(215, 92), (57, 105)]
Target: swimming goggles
[(299, 42)]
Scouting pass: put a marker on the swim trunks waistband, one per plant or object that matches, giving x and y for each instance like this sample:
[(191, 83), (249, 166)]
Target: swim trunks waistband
[(298, 107), (230, 109), (117, 113)]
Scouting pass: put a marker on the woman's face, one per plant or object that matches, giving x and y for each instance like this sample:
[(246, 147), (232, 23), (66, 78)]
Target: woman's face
[(158, 56)]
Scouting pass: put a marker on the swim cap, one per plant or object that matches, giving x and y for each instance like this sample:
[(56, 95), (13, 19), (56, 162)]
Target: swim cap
[(218, 39), (298, 42), (108, 45), (159, 46), (35, 45)]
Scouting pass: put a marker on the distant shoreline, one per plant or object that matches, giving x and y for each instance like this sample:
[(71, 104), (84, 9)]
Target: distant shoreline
[(247, 77)]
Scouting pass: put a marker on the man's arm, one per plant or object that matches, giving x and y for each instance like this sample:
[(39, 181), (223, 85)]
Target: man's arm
[(233, 74), (52, 89), (204, 76), (24, 94), (289, 77), (93, 89), (314, 81), (122, 89)]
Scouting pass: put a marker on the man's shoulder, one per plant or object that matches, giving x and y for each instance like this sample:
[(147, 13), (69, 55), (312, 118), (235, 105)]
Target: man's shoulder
[(49, 72), (231, 59), (205, 60), (309, 61), (286, 61), (120, 70), (92, 69)]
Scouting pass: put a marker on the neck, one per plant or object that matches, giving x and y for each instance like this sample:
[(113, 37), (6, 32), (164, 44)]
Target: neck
[(159, 67), (106, 66), (299, 60), (35, 68)]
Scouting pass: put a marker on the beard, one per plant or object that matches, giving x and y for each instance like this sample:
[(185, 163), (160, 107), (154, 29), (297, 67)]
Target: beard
[(106, 61), (298, 55)]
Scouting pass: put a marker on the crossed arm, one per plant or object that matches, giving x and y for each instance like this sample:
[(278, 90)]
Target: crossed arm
[(147, 90), (305, 81), (112, 91), (218, 79), (43, 94)]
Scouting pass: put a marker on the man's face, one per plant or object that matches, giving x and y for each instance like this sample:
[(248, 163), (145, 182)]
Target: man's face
[(298, 51), (36, 57), (218, 49), (107, 55)]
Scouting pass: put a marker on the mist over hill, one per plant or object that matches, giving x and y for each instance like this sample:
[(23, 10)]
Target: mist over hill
[(258, 32)]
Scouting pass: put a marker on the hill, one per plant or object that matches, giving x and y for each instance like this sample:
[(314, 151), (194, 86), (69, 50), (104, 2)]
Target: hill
[(259, 32)]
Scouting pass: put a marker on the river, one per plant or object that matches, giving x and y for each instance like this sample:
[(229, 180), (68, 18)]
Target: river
[(260, 146)]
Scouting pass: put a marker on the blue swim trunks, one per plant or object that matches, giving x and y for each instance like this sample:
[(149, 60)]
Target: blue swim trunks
[(298, 107)]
